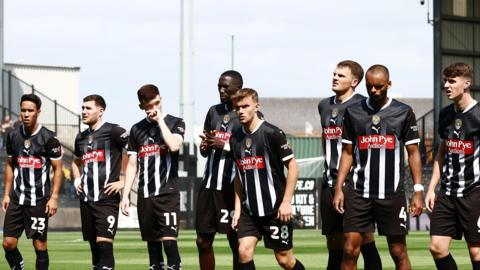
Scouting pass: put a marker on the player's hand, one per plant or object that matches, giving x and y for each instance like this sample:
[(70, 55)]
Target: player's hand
[(124, 206), (416, 207), (52, 206), (114, 187), (285, 212), (338, 200), (77, 183), (212, 141), (5, 202), (235, 218), (430, 200), (203, 143), (155, 115)]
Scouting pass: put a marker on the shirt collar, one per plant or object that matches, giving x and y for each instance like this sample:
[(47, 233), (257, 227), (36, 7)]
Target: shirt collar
[(384, 106)]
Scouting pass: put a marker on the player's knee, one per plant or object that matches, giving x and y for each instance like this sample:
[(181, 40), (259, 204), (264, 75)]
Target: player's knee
[(9, 243), (351, 251), (286, 262), (398, 251), (245, 253), (204, 243), (437, 250), (40, 245)]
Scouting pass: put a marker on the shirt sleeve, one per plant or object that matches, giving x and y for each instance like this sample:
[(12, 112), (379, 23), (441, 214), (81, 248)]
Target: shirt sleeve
[(132, 147), (347, 131), (119, 136), (77, 153), (410, 129), (54, 149), (179, 128), (279, 140)]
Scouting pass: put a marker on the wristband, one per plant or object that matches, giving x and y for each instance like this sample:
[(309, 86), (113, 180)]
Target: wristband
[(418, 187)]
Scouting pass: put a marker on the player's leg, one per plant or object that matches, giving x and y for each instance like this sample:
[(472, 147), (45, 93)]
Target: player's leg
[(397, 245), (474, 251), (167, 209), (233, 243), (351, 249), (246, 248), (36, 228), (332, 228), (287, 260), (88, 232), (12, 230), (371, 257), (468, 206), (105, 215), (150, 232), (205, 220), (42, 254), (205, 250), (444, 226)]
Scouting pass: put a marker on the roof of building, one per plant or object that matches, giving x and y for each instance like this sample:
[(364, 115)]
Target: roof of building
[(30, 66), (294, 115)]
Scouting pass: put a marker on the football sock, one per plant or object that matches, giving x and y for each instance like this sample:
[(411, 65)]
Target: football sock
[(155, 255), (476, 265), (371, 258), (14, 259), (334, 259), (446, 263), (247, 266), (233, 242), (105, 254), (298, 265), (93, 249), (42, 259), (173, 257)]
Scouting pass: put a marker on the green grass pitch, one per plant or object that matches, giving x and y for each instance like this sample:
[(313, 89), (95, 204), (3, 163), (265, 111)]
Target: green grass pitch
[(68, 251)]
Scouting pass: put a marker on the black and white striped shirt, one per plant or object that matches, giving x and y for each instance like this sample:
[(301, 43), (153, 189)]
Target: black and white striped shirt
[(259, 158), (31, 158), (331, 118), (378, 138), (100, 152), (158, 167), (220, 170), (461, 133)]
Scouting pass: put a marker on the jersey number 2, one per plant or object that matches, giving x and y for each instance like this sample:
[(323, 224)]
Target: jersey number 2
[(38, 223)]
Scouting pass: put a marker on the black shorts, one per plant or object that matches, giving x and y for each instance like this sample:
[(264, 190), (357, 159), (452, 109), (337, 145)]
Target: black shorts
[(361, 214), (158, 216), (32, 219), (99, 219), (332, 221), (214, 211), (278, 236), (454, 216)]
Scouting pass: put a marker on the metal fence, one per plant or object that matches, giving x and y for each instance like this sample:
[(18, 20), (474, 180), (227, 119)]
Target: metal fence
[(54, 116)]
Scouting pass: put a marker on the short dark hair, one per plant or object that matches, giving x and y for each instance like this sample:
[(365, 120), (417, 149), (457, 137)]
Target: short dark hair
[(236, 76), (99, 101), (459, 70), (355, 68), (32, 98), (243, 93), (380, 69), (147, 93)]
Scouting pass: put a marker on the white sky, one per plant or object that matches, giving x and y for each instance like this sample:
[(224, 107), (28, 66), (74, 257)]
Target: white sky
[(282, 48)]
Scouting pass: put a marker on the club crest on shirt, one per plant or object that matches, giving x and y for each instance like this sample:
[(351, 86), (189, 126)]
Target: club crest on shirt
[(248, 143), (376, 119), (226, 119), (27, 143), (458, 124), (152, 132), (334, 113)]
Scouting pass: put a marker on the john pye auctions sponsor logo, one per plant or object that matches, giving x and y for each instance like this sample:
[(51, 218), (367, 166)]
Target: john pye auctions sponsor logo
[(376, 142), (29, 162), (251, 163), (460, 147), (93, 156), (332, 133)]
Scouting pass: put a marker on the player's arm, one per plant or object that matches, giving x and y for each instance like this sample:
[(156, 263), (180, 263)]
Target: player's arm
[(285, 209), (238, 201), (204, 149), (437, 165), (52, 204), (415, 163), (346, 161), (76, 165), (130, 175), (119, 137), (8, 183), (173, 140)]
